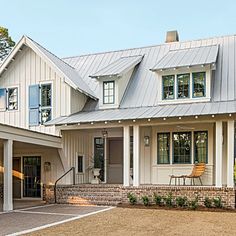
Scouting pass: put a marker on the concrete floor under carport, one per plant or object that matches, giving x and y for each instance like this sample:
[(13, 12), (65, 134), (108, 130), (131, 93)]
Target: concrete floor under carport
[(23, 143)]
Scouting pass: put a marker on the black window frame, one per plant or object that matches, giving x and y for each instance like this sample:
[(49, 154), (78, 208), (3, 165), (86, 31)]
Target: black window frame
[(48, 107), (158, 144), (168, 77), (193, 88), (177, 78), (80, 163), (109, 96), (173, 148), (195, 147)]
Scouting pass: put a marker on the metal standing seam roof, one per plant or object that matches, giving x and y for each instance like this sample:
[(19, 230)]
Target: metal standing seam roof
[(67, 70), (179, 110), (119, 67), (188, 57), (141, 97)]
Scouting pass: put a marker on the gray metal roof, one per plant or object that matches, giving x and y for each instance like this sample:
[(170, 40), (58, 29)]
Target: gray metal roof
[(163, 111), (68, 71), (118, 67), (142, 90), (203, 55), (141, 97)]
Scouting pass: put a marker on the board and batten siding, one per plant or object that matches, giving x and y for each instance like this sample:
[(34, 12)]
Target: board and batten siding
[(29, 69)]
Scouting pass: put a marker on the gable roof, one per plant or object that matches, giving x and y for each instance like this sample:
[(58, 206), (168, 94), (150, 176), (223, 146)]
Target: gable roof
[(68, 72), (203, 55), (119, 67)]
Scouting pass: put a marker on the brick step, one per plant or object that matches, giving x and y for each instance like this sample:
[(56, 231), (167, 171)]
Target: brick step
[(90, 190), (107, 194), (91, 198), (94, 203)]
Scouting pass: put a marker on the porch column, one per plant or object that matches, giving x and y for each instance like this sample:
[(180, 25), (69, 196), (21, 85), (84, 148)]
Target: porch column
[(136, 158), (126, 156), (7, 183), (218, 154), (230, 153)]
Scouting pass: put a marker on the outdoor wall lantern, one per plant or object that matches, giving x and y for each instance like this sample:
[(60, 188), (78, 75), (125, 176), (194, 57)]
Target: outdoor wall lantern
[(47, 166), (104, 133), (146, 141)]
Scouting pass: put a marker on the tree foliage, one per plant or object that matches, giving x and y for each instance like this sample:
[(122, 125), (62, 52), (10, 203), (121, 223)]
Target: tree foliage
[(6, 43)]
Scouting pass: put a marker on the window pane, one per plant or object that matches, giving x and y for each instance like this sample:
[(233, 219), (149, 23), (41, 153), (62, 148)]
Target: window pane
[(46, 115), (108, 92), (12, 98), (3, 99), (199, 84), (80, 163), (163, 153), (168, 82), (99, 155), (183, 85), (182, 147), (200, 147), (46, 95)]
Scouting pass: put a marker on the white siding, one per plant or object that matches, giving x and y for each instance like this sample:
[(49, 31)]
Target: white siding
[(28, 69), (78, 101)]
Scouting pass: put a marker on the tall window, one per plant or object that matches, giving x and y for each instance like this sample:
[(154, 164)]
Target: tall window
[(163, 151), (182, 147), (46, 102), (3, 101), (200, 146), (168, 82), (199, 84), (109, 92), (80, 164), (183, 82), (99, 156), (40, 103), (12, 98)]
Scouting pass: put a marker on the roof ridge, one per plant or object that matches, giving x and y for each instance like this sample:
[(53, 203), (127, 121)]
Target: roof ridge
[(149, 46)]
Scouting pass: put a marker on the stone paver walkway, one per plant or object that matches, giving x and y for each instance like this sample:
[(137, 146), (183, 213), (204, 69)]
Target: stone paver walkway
[(27, 220)]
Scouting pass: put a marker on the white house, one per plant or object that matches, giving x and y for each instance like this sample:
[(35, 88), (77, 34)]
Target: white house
[(146, 113)]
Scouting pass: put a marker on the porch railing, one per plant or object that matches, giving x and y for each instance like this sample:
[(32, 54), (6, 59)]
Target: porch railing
[(55, 186)]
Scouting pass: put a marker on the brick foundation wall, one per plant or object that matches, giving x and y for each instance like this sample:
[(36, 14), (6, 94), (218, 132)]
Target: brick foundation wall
[(64, 193)]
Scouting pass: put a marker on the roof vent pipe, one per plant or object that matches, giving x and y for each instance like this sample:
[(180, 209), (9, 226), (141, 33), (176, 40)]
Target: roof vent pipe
[(172, 36)]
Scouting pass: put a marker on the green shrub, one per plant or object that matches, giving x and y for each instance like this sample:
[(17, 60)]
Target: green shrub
[(157, 199), (146, 200), (193, 204), (208, 202), (132, 198), (181, 201), (168, 200), (218, 202)]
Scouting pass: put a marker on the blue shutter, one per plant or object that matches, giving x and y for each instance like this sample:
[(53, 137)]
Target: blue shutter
[(34, 96), (3, 99), (34, 104)]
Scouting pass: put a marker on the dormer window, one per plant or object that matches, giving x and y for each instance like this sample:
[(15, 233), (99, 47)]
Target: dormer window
[(168, 86), (183, 81), (199, 84), (109, 92)]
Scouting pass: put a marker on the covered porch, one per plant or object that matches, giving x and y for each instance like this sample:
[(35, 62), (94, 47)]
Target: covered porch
[(28, 160), (134, 153)]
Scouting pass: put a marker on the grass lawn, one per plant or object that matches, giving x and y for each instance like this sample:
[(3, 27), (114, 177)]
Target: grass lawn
[(125, 221)]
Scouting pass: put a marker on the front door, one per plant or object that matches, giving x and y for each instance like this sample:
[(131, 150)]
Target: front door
[(17, 177), (32, 177), (115, 160)]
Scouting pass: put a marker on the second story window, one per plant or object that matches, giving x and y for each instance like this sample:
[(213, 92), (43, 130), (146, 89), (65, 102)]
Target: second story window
[(109, 92), (12, 98), (46, 102), (168, 86), (199, 84), (183, 85), (40, 104)]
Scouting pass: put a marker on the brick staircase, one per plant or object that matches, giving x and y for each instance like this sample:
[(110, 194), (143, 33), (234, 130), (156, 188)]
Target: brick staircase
[(90, 194)]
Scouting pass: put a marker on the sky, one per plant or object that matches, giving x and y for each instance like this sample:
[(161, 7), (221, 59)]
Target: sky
[(75, 27)]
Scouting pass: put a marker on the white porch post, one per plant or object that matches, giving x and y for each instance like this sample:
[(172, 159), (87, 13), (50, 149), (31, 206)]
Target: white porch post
[(7, 183), (126, 156), (230, 153), (218, 154), (136, 158)]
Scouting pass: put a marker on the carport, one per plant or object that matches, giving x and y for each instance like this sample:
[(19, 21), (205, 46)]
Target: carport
[(23, 139)]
